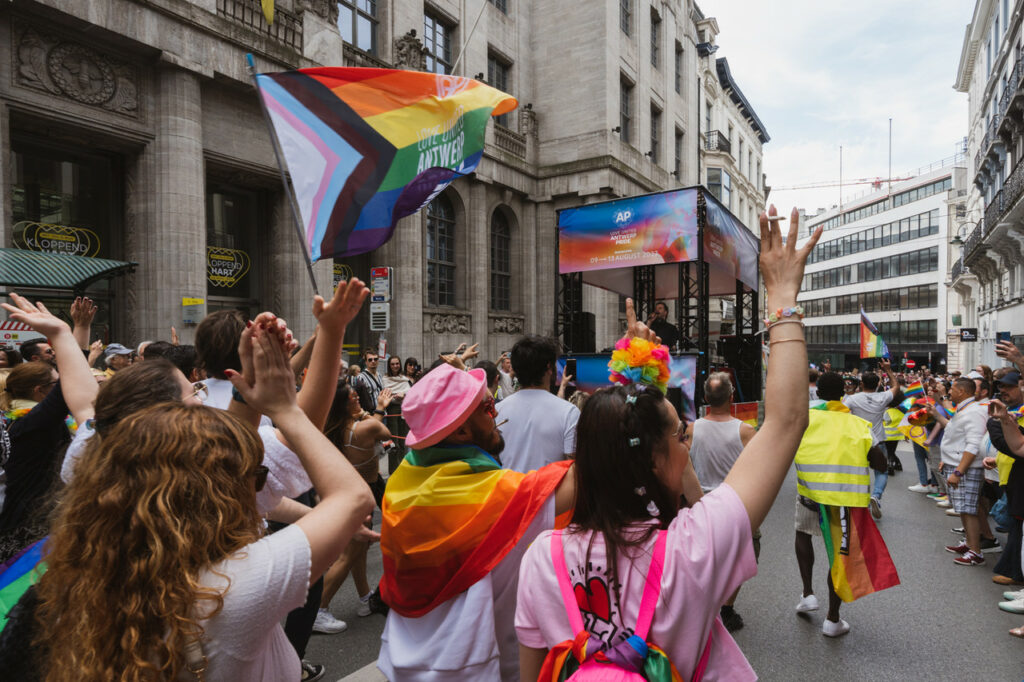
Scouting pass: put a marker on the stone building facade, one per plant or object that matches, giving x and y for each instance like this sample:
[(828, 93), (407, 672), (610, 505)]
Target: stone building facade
[(133, 128)]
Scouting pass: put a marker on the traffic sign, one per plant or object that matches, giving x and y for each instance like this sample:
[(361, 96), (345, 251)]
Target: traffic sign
[(911, 364)]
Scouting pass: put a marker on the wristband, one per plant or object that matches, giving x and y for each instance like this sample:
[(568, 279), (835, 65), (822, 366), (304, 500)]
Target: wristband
[(957, 472), (380, 412), (236, 396)]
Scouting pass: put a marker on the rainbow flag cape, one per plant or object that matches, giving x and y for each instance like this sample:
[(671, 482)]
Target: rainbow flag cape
[(858, 556), (450, 514), (913, 390), (17, 574), (871, 344), (366, 147)]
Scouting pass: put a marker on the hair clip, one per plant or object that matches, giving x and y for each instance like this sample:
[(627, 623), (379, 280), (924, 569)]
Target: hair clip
[(630, 399), (640, 388), (652, 509), (641, 491), (633, 442)]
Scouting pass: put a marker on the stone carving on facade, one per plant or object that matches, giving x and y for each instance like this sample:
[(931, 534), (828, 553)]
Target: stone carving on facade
[(506, 325), (450, 324), (325, 9), (410, 53), (78, 72), (527, 121)]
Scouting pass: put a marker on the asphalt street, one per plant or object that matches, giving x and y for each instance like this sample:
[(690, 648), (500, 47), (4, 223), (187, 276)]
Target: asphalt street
[(940, 623)]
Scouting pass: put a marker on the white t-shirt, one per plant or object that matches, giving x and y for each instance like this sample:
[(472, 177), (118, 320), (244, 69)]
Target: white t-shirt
[(219, 396), (870, 407), (267, 579), (541, 429), (469, 637)]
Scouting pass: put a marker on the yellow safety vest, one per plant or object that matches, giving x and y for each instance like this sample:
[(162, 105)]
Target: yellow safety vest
[(891, 420), (832, 460), (1004, 463)]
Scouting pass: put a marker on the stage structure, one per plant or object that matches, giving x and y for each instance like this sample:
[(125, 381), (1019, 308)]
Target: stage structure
[(680, 245)]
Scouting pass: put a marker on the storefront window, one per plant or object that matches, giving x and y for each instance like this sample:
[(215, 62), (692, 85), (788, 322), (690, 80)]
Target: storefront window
[(232, 242)]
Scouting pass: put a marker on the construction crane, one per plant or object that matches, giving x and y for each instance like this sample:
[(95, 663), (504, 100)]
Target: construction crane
[(874, 182)]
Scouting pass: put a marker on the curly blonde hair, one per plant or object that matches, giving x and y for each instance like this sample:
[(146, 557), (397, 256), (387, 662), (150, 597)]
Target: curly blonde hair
[(164, 495)]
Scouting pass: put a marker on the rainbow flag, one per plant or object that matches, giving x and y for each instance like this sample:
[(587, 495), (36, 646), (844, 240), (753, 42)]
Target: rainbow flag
[(857, 553), (450, 514), (745, 412), (871, 344), (914, 389), (17, 574), (366, 147)]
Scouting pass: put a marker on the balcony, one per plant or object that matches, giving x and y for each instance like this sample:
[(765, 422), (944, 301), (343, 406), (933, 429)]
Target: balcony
[(717, 142), (510, 141), (992, 128), (957, 269), (286, 29)]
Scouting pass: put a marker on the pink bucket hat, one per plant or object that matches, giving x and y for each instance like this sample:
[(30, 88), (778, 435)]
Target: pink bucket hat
[(437, 404)]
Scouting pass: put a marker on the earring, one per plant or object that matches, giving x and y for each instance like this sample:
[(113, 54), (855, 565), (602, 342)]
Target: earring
[(652, 509)]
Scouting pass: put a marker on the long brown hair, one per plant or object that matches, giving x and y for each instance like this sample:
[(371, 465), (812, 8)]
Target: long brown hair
[(24, 378), (134, 388), (340, 417), (163, 496)]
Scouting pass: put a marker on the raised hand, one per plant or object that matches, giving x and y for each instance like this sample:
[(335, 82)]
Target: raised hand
[(782, 265), (471, 352), (636, 328), (335, 315), (83, 310), (175, 341), (272, 391), (384, 399), (35, 316), (997, 409)]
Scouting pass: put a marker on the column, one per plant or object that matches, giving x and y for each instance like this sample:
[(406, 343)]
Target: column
[(404, 254), (478, 263), (287, 290), (165, 230)]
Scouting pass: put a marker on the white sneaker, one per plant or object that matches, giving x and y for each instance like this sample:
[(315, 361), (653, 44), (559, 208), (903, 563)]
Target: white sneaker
[(944, 504), (364, 607), (1013, 595), (1015, 606), (808, 603), (875, 505), (951, 512), (327, 624), (918, 488), (830, 629)]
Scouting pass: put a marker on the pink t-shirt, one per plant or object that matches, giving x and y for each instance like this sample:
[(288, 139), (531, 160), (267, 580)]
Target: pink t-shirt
[(709, 553)]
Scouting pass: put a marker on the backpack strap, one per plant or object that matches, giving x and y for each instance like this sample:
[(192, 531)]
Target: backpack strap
[(572, 609), (652, 586), (705, 657)]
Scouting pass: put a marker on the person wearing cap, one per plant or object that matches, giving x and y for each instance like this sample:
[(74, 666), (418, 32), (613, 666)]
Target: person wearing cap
[(116, 357), (1009, 571), (455, 526)]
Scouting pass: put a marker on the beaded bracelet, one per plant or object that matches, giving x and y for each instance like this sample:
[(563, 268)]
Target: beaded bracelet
[(794, 311), (770, 325)]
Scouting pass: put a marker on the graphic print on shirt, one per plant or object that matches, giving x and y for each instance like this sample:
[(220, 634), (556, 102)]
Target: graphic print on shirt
[(595, 596)]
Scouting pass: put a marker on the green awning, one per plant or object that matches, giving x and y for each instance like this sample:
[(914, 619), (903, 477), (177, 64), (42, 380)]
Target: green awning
[(36, 270)]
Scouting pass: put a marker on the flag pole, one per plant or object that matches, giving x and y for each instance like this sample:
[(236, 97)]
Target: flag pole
[(284, 178)]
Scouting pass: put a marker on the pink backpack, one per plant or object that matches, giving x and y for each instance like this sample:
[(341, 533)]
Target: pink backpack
[(588, 658)]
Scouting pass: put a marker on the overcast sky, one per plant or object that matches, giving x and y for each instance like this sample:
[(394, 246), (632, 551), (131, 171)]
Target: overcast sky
[(825, 73)]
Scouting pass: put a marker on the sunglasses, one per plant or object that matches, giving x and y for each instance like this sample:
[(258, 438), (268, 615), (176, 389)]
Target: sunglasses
[(200, 390), (260, 476), (488, 406)]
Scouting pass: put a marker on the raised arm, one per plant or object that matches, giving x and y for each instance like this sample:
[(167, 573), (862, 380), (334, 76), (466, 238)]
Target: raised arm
[(77, 384), (1010, 352), (1011, 433), (345, 499), (300, 361), (897, 392), (761, 467), (82, 313)]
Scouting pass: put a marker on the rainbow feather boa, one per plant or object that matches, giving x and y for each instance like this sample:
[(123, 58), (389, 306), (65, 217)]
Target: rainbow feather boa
[(638, 361)]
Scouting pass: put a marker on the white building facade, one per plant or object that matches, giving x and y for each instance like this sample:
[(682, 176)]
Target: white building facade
[(988, 274), (885, 253)]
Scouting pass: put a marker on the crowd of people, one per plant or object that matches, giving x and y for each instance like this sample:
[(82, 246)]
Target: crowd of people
[(190, 511)]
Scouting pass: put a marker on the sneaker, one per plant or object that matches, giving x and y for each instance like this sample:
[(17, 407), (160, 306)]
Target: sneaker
[(1015, 606), (377, 604), (875, 505), (969, 558), (990, 546), (311, 671), (959, 530), (958, 549), (944, 504), (830, 629), (808, 603), (1005, 580), (941, 498), (364, 606), (935, 495), (730, 619), (952, 512), (1013, 595), (918, 488), (327, 624)]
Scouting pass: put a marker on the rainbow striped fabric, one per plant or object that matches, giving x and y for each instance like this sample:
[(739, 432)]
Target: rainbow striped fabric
[(366, 147), (450, 515), (857, 553), (17, 574), (871, 344), (913, 390)]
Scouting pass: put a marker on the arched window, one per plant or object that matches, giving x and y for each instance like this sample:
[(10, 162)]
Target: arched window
[(440, 252), (501, 262)]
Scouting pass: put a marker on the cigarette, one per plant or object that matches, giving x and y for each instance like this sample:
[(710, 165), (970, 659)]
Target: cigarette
[(776, 217), (501, 422)]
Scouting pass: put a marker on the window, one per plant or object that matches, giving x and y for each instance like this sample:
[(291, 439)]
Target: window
[(739, 156), (626, 16), (440, 252), (655, 39), (750, 165), (498, 77), (758, 180), (500, 4), (655, 134), (357, 21), (720, 185), (730, 135), (437, 40), (232, 241), (626, 110), (679, 69), (707, 117), (501, 262), (678, 165)]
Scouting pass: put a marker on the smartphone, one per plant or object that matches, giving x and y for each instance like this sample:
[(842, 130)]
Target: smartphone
[(570, 367), (1003, 336)]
